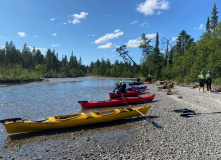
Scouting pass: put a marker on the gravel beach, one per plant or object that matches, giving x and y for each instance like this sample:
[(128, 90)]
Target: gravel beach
[(196, 137)]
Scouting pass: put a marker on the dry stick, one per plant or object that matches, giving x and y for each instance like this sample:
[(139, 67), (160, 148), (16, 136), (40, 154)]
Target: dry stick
[(149, 120)]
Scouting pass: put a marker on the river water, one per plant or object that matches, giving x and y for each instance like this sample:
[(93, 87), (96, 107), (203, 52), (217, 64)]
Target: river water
[(45, 99)]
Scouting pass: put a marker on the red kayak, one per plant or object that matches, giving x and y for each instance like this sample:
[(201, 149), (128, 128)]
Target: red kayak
[(115, 102), (148, 83), (126, 94)]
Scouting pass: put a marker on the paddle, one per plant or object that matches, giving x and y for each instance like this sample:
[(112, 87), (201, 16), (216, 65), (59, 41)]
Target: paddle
[(148, 119), (188, 113)]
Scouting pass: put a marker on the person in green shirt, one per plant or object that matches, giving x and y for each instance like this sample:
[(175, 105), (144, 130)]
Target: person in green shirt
[(121, 86), (201, 80)]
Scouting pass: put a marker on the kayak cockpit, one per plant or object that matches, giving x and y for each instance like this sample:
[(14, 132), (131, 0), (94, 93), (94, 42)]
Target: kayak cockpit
[(68, 116)]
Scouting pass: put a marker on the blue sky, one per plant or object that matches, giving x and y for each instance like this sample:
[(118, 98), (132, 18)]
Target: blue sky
[(92, 29)]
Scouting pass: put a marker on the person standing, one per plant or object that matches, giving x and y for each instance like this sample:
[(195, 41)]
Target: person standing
[(149, 78), (201, 80), (208, 81), (138, 79)]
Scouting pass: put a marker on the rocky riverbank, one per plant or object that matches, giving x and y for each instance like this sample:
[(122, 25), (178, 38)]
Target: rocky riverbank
[(196, 137)]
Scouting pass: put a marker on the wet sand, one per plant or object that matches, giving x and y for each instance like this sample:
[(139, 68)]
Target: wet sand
[(196, 137)]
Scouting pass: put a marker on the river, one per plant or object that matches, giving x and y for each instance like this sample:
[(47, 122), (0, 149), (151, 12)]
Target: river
[(45, 99)]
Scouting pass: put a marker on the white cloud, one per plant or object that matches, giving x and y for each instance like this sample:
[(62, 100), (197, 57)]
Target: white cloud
[(35, 36), (199, 28), (145, 23), (75, 21), (91, 35), (151, 36), (53, 19), (108, 45), (55, 45), (134, 22), (80, 16), (43, 50), (150, 6), (21, 34), (109, 36), (77, 17), (158, 13), (117, 30), (133, 43), (173, 38), (54, 34)]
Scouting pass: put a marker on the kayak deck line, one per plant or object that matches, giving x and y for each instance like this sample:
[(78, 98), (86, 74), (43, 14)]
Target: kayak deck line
[(17, 125)]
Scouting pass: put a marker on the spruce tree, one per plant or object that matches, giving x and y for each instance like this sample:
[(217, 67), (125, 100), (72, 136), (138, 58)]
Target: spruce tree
[(214, 18), (145, 45), (208, 26)]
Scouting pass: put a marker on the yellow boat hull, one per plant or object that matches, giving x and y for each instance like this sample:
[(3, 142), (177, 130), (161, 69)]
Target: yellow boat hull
[(73, 120)]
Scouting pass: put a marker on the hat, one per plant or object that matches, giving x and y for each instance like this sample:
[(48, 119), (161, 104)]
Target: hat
[(208, 71)]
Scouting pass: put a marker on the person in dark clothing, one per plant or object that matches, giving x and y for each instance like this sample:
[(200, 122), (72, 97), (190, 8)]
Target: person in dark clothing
[(122, 89), (121, 86), (208, 77), (149, 78), (138, 79)]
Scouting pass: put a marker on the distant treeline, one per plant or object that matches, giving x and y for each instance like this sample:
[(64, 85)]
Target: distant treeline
[(29, 65)]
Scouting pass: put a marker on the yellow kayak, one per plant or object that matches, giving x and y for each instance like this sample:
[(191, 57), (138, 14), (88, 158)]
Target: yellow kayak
[(18, 125)]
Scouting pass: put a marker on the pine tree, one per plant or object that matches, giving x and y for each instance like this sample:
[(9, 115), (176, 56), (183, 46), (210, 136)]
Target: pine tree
[(214, 18), (183, 42), (208, 25), (145, 45), (27, 57)]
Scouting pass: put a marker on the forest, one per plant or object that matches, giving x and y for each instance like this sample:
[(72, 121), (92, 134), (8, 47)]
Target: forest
[(180, 62)]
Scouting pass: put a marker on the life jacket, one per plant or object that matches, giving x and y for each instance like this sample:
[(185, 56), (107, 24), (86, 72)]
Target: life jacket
[(121, 84), (201, 77), (208, 76)]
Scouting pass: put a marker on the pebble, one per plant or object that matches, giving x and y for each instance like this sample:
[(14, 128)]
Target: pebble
[(197, 137)]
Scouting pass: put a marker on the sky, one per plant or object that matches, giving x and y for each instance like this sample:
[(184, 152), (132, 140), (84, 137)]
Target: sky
[(93, 29)]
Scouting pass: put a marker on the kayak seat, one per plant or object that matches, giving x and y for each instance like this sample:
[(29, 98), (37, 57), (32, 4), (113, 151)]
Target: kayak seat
[(67, 116), (130, 109), (40, 120), (106, 112), (89, 115), (123, 110)]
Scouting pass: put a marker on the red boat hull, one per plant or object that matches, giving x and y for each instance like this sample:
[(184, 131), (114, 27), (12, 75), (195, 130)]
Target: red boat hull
[(148, 83), (115, 102), (126, 94)]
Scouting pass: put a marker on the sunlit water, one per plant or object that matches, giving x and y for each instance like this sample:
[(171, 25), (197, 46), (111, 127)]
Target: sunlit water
[(45, 99)]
